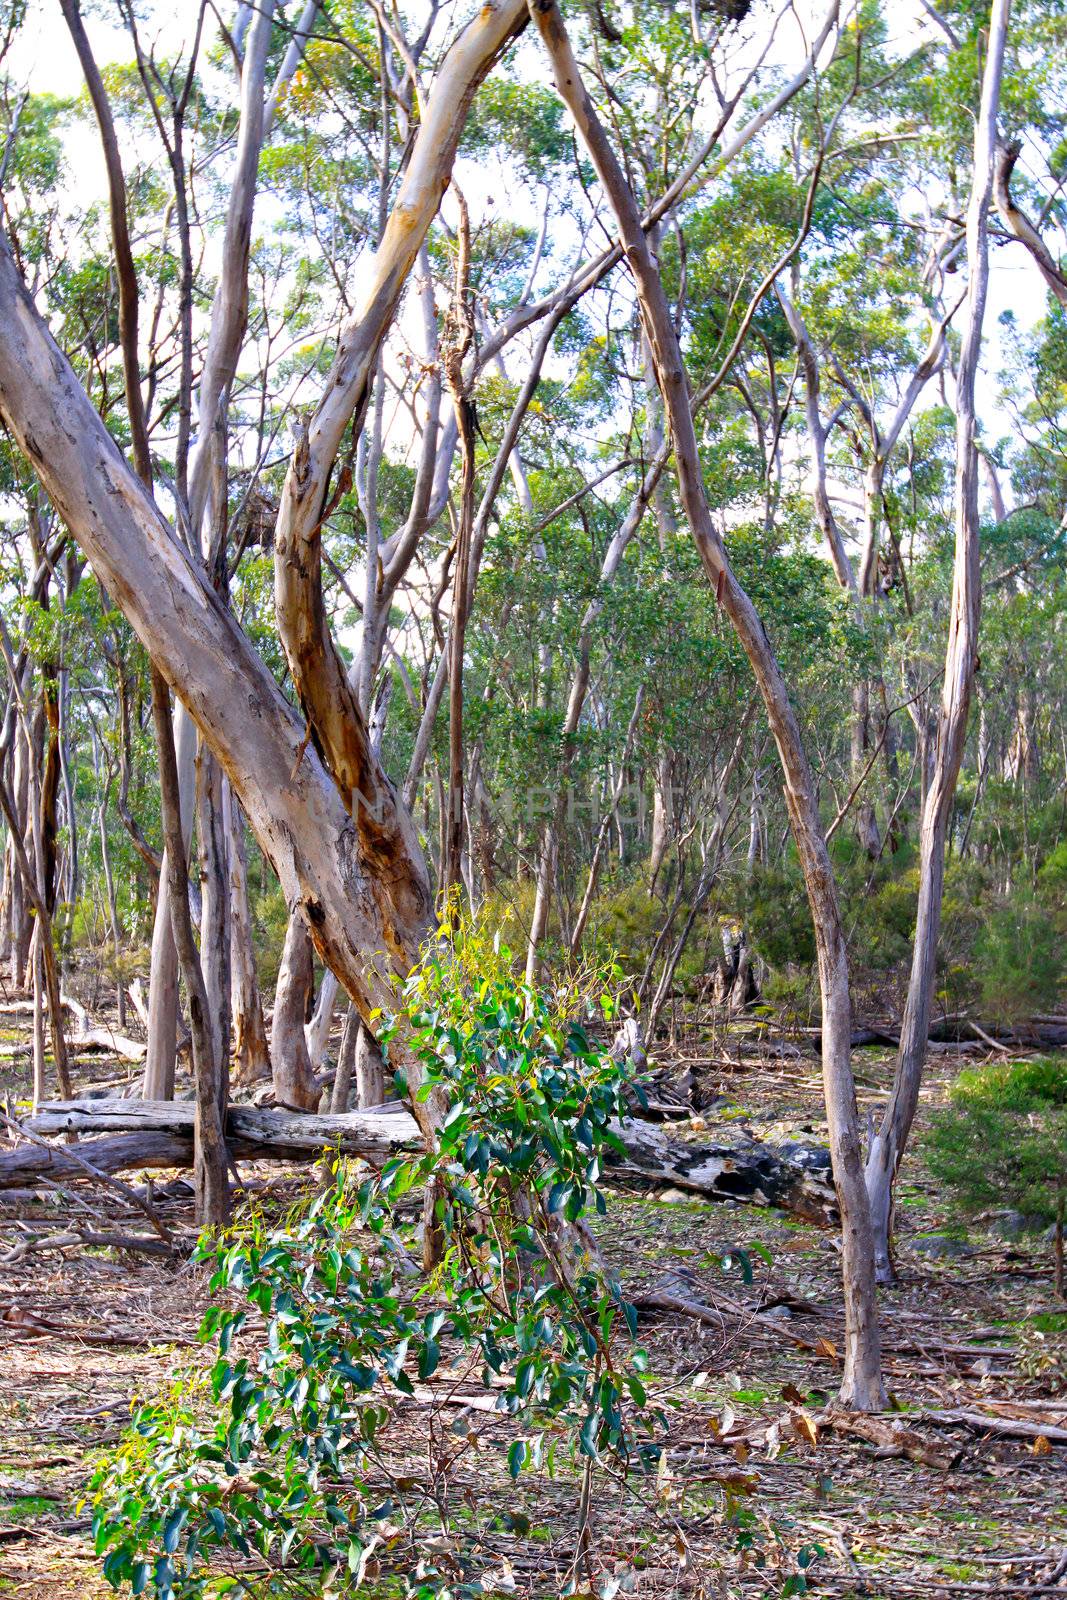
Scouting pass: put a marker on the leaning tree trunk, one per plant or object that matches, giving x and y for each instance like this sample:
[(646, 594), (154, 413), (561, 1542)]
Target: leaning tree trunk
[(359, 878), (862, 1379), (299, 815), (888, 1144)]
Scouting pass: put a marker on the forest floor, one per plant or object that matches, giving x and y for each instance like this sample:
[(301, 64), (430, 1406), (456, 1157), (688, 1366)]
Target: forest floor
[(752, 1475)]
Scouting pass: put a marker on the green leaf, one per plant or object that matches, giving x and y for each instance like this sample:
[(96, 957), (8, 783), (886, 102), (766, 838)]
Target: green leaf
[(172, 1528), (587, 1436), (116, 1566), (429, 1357), (358, 1374)]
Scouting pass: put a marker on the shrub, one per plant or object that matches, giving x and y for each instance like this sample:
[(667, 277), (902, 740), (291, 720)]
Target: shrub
[(1002, 1140), (281, 1454), (778, 918), (1019, 958)]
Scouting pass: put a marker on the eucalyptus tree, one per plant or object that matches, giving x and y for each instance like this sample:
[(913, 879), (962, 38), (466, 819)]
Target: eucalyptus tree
[(341, 841), (888, 1141)]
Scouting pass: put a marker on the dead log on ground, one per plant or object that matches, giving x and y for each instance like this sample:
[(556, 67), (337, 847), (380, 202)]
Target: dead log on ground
[(890, 1436), (795, 1178), (86, 1035), (792, 1177)]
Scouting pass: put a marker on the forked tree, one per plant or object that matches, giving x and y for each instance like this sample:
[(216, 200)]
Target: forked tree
[(341, 841)]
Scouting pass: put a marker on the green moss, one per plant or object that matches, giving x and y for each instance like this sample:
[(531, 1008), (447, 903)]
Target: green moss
[(1049, 1322), (26, 1505)]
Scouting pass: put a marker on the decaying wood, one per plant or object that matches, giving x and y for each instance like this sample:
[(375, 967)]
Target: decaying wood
[(80, 1161), (30, 1164), (1009, 1427), (794, 1178), (249, 1127), (88, 1036), (144, 1133), (891, 1437), (135, 1133)]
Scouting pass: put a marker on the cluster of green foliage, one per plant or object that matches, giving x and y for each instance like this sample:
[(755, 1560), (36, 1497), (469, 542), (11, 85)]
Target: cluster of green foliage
[(1002, 1139), (282, 1454), (1001, 953)]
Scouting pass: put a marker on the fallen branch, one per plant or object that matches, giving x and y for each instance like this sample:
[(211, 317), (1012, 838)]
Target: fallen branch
[(890, 1436), (86, 1035), (1009, 1427), (793, 1177)]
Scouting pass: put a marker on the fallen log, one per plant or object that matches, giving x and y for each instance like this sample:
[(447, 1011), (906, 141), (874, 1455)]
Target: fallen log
[(252, 1129), (793, 1177), (86, 1035), (147, 1133), (987, 1422), (28, 1164)]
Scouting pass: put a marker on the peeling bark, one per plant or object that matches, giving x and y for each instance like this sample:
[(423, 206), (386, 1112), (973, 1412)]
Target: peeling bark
[(387, 839)]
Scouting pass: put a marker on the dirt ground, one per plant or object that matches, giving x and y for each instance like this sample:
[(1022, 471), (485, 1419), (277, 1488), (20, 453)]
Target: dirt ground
[(976, 1358)]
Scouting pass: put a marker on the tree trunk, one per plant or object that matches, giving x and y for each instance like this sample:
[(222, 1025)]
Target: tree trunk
[(210, 1160), (301, 819), (251, 1056), (207, 508), (459, 334), (370, 1071), (42, 942), (212, 804), (163, 964), (317, 1029), (888, 1143), (387, 839), (662, 815), (40, 1076), (346, 1060), (293, 1075), (861, 1380)]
